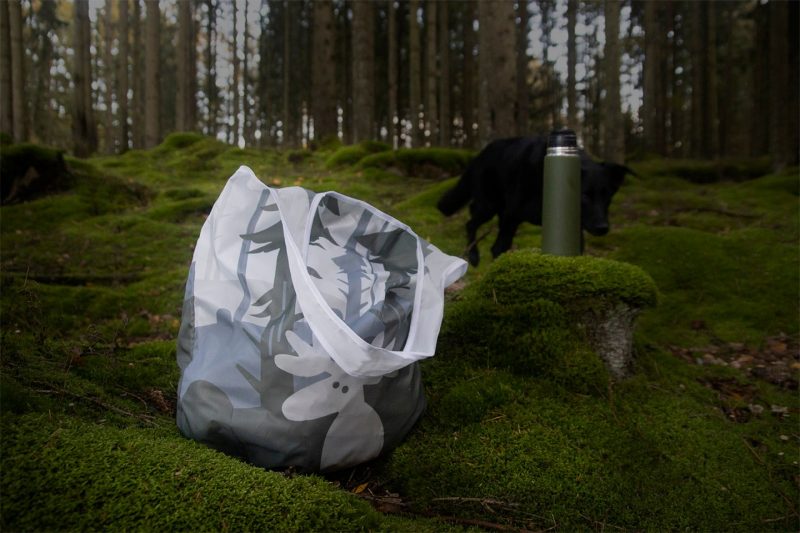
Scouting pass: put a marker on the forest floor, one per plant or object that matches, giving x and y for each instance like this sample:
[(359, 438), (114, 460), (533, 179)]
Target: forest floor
[(703, 436)]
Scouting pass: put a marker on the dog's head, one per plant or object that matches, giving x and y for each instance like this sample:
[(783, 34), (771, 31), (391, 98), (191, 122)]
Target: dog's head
[(599, 183)]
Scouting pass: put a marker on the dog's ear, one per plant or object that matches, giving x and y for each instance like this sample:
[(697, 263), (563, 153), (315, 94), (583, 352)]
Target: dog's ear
[(616, 173)]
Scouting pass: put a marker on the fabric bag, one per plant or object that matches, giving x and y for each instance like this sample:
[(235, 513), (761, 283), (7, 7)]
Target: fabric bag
[(304, 317)]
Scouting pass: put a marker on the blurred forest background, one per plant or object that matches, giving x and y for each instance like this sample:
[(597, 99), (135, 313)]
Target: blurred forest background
[(635, 78)]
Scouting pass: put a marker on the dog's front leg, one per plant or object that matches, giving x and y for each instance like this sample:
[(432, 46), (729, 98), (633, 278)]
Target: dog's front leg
[(508, 228), (480, 215)]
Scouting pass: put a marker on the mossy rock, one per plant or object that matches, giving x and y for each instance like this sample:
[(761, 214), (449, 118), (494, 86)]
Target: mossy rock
[(431, 163), (580, 283), (350, 155), (539, 314), (29, 171)]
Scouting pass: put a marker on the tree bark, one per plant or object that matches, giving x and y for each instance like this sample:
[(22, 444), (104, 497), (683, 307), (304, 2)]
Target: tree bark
[(712, 96), (211, 69), (652, 58), (431, 74), (523, 91), (414, 73), (248, 138), (498, 65), (151, 71), (698, 139), (445, 116), (485, 70), (84, 130), (612, 114), (779, 118), (394, 117), (108, 60), (6, 97), (235, 87), (183, 59), (19, 114), (137, 122), (363, 71), (323, 74), (288, 127), (122, 76), (468, 84), (572, 55)]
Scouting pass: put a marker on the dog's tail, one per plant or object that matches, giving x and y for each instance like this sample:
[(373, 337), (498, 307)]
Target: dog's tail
[(457, 197)]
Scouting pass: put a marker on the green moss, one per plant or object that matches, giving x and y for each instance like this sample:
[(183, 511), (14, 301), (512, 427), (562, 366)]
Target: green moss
[(703, 171), (350, 155), (72, 475), (179, 141), (581, 281), (421, 162)]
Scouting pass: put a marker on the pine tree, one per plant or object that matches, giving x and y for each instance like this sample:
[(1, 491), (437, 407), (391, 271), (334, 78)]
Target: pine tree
[(19, 107), (151, 71), (323, 76), (363, 71), (84, 130), (414, 73), (6, 99), (612, 111)]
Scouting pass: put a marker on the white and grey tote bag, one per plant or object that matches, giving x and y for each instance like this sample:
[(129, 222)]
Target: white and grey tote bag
[(304, 317)]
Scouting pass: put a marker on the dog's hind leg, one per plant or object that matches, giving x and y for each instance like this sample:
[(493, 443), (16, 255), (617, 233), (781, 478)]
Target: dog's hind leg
[(480, 215), (508, 228)]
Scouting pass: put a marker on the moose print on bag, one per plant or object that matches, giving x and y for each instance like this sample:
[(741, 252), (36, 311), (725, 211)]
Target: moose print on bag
[(356, 433)]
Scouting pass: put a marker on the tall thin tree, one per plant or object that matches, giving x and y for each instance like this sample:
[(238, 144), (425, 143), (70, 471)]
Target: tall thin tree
[(523, 91), (414, 72), (572, 57), (108, 63), (183, 96), (151, 70), (431, 74), (393, 72), (6, 96), (122, 76), (468, 73), (323, 75), (84, 130), (19, 111), (363, 70), (612, 111), (445, 87)]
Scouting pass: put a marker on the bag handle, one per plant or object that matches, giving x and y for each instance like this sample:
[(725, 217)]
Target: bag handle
[(353, 354)]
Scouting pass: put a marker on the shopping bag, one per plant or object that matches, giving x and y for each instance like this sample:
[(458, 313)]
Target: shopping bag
[(303, 320)]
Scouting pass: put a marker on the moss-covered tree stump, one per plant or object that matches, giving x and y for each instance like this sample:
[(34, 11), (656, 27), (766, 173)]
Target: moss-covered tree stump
[(536, 313)]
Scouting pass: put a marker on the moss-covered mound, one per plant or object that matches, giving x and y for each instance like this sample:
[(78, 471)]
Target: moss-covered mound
[(703, 171), (431, 163), (68, 475), (350, 155), (577, 282)]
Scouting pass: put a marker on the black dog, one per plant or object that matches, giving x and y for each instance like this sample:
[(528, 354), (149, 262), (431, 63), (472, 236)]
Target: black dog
[(505, 179)]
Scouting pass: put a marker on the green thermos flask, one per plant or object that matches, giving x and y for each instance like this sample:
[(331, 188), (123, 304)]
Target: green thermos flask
[(561, 198)]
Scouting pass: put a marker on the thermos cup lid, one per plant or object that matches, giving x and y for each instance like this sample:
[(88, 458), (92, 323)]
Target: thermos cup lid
[(562, 139)]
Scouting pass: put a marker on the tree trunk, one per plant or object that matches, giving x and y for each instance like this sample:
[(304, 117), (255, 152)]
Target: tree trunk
[(211, 69), (612, 114), (572, 56), (780, 120), (234, 137), (122, 76), (84, 131), (151, 72), (19, 115), (523, 91), (363, 71), (323, 74), (183, 58), (712, 96), (445, 116), (468, 84), (137, 122), (248, 138), (394, 117), (6, 97), (652, 58), (108, 60), (414, 73), (287, 127), (697, 26), (431, 74), (498, 66)]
